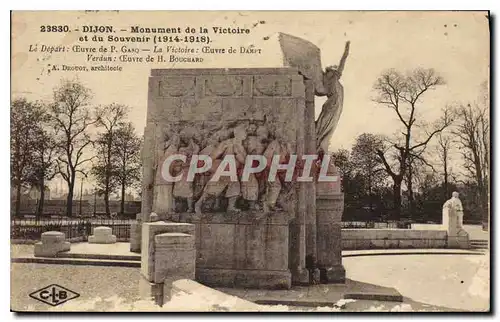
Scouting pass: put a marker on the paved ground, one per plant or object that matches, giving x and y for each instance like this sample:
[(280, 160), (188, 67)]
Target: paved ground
[(427, 282), (102, 249)]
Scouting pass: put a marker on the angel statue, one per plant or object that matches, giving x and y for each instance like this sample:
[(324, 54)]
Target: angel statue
[(306, 56), (332, 108)]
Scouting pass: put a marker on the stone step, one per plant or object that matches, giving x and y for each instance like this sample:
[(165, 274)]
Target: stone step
[(77, 261), (479, 244), (100, 256)]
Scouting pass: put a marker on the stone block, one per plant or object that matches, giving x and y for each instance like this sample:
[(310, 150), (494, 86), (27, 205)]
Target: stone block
[(102, 235), (272, 85), (244, 278), (460, 240), (52, 237), (407, 243), (224, 85), (214, 248), (391, 243), (151, 291), (176, 86), (174, 257), (149, 231), (300, 277), (332, 275), (135, 237), (52, 243), (378, 243)]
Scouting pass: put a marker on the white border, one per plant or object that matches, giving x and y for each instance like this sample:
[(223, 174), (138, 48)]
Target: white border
[(193, 5)]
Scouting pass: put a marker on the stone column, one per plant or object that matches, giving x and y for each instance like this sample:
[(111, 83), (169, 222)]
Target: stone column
[(135, 234), (329, 209), (297, 228), (148, 172), (310, 187)]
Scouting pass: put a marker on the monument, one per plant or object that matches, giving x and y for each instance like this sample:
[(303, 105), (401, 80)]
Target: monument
[(453, 215), (264, 231)]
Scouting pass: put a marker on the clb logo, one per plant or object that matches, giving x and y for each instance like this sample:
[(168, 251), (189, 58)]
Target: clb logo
[(54, 295)]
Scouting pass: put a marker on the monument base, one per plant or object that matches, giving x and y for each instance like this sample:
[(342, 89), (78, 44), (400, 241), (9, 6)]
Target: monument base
[(151, 291), (135, 237), (247, 249), (262, 279), (460, 240), (332, 275), (300, 277)]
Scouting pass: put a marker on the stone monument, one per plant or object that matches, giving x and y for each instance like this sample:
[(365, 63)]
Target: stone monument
[(453, 214), (256, 233)]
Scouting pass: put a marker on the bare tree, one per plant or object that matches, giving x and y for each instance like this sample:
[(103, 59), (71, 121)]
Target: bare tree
[(71, 114), (444, 150), (368, 163), (110, 118), (473, 134), (45, 154), (403, 94), (127, 148), (23, 139)]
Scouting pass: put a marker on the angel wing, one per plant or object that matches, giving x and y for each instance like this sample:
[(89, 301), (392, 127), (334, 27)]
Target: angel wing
[(305, 56)]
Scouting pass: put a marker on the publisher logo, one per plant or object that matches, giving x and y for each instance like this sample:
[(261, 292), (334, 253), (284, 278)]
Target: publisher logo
[(54, 295)]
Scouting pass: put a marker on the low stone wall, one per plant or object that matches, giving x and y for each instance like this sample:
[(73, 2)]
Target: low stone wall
[(392, 238)]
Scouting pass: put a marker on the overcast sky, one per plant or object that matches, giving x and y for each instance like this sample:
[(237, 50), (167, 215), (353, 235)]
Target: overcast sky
[(456, 44)]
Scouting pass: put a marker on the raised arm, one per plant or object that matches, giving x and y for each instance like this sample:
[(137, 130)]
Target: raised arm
[(344, 57)]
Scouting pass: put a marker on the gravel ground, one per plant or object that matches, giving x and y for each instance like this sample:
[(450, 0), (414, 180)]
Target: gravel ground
[(89, 281), (448, 282)]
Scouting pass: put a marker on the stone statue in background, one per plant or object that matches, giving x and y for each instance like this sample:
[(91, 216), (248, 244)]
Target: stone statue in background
[(453, 207), (332, 108)]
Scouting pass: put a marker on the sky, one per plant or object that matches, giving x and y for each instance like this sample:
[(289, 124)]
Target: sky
[(455, 44)]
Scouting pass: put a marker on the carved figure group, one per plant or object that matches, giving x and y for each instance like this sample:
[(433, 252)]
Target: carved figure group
[(239, 140)]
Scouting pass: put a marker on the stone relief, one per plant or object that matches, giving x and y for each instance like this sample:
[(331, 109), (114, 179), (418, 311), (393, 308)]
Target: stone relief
[(238, 138)]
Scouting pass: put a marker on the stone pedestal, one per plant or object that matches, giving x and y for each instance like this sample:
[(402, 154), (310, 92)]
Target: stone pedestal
[(135, 234), (457, 236), (102, 235), (329, 209), (52, 242), (168, 254)]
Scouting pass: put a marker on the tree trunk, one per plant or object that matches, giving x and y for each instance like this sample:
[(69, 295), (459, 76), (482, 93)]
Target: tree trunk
[(445, 178), (108, 176), (42, 197), (122, 205), (396, 189), (410, 191), (18, 198), (69, 200), (106, 201)]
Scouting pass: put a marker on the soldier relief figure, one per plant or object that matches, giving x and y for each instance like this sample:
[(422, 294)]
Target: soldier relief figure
[(214, 190)]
